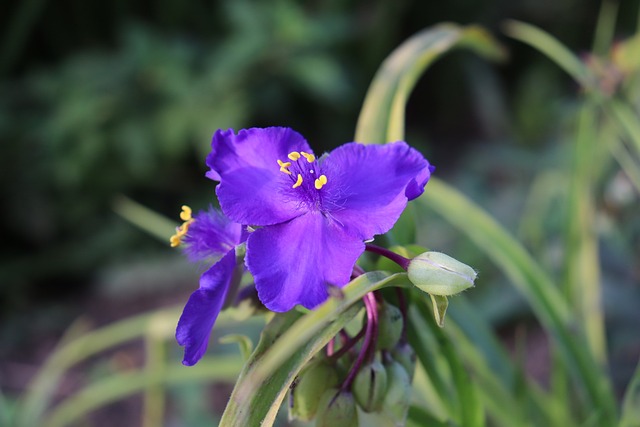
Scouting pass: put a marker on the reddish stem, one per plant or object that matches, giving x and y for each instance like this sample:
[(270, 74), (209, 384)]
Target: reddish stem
[(398, 259), (369, 337)]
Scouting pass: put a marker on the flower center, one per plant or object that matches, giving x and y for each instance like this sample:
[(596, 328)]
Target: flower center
[(304, 169)]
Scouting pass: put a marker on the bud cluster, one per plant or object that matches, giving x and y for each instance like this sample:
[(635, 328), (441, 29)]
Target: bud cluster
[(368, 375)]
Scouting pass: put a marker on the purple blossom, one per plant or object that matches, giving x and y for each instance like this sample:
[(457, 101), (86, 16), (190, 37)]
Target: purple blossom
[(312, 215), (210, 235)]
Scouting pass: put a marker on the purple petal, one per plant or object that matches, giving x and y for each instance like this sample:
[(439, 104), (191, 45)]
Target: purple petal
[(252, 188), (293, 263), (416, 186), (368, 185), (211, 235), (202, 309)]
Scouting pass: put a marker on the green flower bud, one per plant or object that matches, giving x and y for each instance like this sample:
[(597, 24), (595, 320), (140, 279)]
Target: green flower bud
[(390, 323), (403, 354), (438, 274), (370, 386), (337, 408), (317, 378), (396, 401)]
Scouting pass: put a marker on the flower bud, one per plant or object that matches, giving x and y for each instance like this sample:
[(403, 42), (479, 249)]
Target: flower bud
[(390, 323), (337, 408), (438, 274), (370, 386), (403, 354), (317, 378), (398, 396)]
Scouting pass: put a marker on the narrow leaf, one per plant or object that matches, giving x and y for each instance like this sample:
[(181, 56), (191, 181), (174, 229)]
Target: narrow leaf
[(631, 403), (382, 116)]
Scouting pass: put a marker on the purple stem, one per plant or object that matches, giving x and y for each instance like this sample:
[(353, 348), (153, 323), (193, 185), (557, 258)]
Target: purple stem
[(370, 305), (357, 271), (349, 343), (398, 259), (330, 347), (374, 328)]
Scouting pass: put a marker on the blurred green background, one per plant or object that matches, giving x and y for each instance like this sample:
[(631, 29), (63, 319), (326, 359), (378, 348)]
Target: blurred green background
[(111, 99)]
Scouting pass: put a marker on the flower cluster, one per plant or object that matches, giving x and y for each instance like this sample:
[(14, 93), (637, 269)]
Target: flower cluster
[(304, 219)]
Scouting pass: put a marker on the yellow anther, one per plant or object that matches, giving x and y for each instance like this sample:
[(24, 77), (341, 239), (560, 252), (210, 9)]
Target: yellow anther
[(310, 157), (185, 215), (322, 180), (175, 240), (181, 231), (284, 166), (298, 182), (294, 155)]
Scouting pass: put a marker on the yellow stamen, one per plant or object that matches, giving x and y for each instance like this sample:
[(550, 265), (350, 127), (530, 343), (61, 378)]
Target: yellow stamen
[(284, 166), (294, 155), (310, 157), (181, 231), (185, 215), (298, 182), (322, 180), (175, 240)]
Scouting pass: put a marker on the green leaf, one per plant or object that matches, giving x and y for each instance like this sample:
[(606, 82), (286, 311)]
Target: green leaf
[(553, 49), (526, 275), (382, 116), (287, 344), (631, 403), (119, 386), (440, 304), (244, 343), (464, 404)]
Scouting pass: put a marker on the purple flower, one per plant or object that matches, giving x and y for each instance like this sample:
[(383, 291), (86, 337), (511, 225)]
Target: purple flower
[(209, 235), (312, 215)]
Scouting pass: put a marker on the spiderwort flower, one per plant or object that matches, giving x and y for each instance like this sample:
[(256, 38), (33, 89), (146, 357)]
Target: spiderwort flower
[(312, 215), (208, 235)]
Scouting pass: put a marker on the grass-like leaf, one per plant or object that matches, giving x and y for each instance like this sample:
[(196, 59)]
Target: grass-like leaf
[(382, 116)]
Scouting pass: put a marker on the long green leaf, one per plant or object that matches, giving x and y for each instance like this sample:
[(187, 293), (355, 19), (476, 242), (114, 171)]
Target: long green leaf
[(286, 345), (382, 116), (114, 388), (76, 350), (470, 411), (547, 302), (582, 267), (160, 323), (631, 404), (553, 49), (382, 120)]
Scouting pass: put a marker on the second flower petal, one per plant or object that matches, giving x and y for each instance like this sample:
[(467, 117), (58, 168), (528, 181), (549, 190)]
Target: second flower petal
[(202, 309)]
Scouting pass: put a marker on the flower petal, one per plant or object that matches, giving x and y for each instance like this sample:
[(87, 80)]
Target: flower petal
[(202, 309), (293, 263), (368, 185), (211, 234), (252, 188)]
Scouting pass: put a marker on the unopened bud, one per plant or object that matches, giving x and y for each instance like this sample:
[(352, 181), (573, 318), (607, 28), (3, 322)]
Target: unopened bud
[(396, 401), (403, 354), (337, 408), (438, 274), (309, 388), (390, 323), (370, 386)]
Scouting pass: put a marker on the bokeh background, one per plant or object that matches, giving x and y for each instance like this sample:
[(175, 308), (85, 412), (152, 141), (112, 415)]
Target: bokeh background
[(107, 102)]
